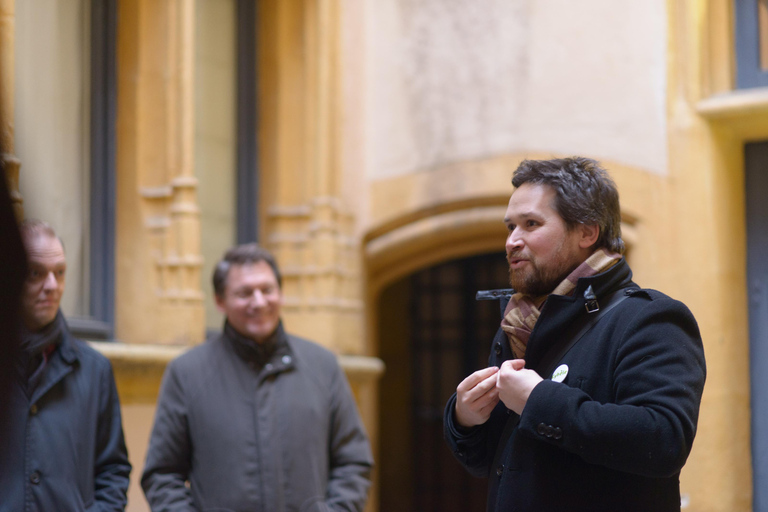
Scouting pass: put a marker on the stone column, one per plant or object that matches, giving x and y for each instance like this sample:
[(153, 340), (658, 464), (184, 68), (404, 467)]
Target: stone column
[(307, 223), (158, 296), (11, 164)]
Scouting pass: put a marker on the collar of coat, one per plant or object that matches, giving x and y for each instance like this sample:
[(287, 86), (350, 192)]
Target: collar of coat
[(559, 311), (272, 355)]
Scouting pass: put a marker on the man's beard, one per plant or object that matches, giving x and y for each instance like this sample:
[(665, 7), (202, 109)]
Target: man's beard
[(536, 281)]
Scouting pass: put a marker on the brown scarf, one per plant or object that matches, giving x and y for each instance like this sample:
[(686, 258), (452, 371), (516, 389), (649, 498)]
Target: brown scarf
[(523, 311)]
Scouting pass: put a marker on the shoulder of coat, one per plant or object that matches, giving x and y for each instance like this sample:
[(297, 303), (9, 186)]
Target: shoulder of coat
[(310, 350), (646, 293)]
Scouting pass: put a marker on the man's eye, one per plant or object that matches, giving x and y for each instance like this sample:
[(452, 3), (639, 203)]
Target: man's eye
[(532, 223)]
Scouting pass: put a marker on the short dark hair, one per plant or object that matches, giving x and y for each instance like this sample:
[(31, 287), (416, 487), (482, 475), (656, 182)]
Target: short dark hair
[(242, 255), (584, 194)]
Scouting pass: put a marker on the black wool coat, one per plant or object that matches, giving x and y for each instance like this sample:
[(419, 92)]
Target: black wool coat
[(62, 448), (614, 434)]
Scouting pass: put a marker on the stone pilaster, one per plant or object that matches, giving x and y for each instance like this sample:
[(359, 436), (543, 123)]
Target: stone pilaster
[(158, 238), (11, 164), (308, 225)]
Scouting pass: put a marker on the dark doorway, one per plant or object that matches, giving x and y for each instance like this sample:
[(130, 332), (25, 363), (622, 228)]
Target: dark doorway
[(756, 182), (432, 334)]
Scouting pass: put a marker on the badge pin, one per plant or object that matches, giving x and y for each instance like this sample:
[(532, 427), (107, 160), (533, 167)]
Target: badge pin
[(560, 373)]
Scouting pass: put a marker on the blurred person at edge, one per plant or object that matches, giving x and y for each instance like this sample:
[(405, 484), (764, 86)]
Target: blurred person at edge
[(13, 268), (257, 419), (572, 413), (62, 445)]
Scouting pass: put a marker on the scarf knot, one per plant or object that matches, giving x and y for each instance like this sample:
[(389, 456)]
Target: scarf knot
[(523, 311)]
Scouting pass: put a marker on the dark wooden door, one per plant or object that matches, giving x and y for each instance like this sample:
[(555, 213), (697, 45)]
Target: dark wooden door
[(443, 335)]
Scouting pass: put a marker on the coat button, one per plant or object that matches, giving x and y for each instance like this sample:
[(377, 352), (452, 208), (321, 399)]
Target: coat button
[(497, 348), (286, 359), (35, 478), (33, 409), (500, 470), (541, 429), (268, 367), (557, 433)]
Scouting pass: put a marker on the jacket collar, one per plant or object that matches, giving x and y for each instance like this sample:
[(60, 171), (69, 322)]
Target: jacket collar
[(617, 277), (559, 311), (273, 355), (62, 362)]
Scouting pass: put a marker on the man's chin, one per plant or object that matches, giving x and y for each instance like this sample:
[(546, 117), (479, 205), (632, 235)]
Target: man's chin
[(39, 321), (259, 333)]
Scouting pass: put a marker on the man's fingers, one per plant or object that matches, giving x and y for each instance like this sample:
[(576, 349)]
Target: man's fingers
[(482, 388), (514, 364), (486, 409), (477, 378)]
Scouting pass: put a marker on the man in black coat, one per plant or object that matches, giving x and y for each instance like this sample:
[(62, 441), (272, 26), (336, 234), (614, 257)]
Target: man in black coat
[(61, 443), (592, 394)]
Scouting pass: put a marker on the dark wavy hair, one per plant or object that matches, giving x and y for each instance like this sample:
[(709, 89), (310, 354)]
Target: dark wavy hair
[(242, 255), (584, 194)]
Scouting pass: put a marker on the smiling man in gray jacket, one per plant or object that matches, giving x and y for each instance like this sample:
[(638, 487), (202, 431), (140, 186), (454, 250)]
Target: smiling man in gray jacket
[(256, 419)]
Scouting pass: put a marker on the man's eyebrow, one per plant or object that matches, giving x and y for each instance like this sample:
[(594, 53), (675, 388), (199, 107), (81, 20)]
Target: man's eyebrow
[(523, 215)]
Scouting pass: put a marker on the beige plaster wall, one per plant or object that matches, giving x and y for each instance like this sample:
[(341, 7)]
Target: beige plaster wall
[(448, 82), (52, 53), (215, 137)]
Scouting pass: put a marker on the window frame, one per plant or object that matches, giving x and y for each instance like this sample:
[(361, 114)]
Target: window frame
[(247, 178), (749, 73), (99, 325)]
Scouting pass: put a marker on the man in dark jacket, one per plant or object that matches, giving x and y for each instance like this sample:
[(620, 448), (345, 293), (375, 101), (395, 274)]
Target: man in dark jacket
[(256, 419), (592, 395), (61, 445)]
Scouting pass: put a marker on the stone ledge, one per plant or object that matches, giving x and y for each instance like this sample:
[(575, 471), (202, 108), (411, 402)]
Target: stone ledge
[(734, 104), (139, 368), (362, 367)]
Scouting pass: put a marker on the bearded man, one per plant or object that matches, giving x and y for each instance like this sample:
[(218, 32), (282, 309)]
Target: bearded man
[(591, 397)]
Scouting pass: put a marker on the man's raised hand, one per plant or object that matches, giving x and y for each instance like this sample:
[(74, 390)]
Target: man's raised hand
[(476, 397)]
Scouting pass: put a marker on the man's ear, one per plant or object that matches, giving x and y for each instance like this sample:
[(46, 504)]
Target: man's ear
[(220, 303), (588, 235)]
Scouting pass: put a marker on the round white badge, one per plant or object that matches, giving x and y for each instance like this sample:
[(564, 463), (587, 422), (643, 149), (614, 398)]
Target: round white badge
[(560, 373)]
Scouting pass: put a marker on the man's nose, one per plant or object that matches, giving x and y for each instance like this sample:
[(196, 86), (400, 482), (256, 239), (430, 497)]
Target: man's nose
[(50, 282), (258, 298), (514, 241)]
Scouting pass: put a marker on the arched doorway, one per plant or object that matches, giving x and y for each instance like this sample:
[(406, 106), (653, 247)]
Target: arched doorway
[(432, 333)]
